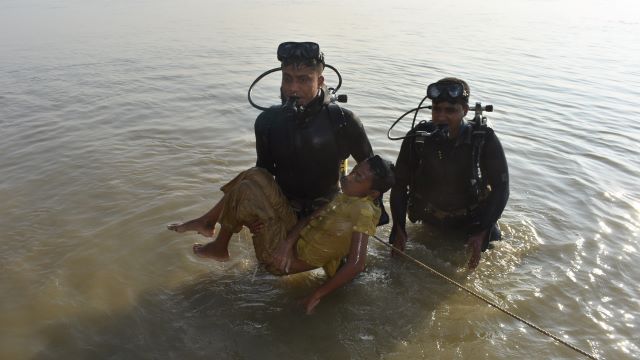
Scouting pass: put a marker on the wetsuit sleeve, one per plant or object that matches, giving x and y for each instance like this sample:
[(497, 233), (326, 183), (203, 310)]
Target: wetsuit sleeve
[(494, 163), (404, 166), (357, 140), (261, 128), (400, 190)]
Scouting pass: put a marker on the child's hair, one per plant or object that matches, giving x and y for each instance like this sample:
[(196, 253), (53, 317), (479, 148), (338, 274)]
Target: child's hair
[(383, 177)]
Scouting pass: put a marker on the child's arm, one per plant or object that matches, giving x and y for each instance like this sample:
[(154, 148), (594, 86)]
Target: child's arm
[(356, 261)]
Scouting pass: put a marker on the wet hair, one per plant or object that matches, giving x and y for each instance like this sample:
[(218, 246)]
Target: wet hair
[(454, 80), (383, 174)]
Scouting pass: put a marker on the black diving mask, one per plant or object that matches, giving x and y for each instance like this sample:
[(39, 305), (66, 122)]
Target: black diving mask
[(447, 91), (307, 51)]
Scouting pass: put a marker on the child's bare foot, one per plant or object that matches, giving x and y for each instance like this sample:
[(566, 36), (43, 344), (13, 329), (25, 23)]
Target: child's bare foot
[(211, 250), (203, 227)]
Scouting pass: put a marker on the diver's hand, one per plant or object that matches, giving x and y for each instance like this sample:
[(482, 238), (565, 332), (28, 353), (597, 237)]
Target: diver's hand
[(400, 241), (256, 227), (475, 243)]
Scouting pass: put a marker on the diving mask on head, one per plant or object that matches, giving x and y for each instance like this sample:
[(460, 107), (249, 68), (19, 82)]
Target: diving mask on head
[(303, 52), (452, 92)]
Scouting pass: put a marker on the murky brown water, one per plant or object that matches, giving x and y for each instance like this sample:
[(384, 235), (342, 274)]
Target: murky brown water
[(117, 118)]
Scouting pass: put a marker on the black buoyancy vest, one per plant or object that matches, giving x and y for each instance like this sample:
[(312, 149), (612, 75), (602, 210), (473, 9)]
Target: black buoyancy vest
[(444, 176), (307, 152)]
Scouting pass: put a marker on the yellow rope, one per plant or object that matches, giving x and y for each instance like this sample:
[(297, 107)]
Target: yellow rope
[(545, 332)]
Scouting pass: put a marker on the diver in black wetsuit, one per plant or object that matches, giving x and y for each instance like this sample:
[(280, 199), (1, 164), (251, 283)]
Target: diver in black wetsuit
[(301, 142), (435, 178), (303, 149)]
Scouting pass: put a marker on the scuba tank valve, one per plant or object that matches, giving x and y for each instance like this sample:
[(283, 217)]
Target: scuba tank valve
[(479, 119)]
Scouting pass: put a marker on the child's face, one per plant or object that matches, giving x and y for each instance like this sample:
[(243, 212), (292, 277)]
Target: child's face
[(358, 182)]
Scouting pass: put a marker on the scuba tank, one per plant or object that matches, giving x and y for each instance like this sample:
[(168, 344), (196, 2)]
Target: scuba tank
[(478, 125)]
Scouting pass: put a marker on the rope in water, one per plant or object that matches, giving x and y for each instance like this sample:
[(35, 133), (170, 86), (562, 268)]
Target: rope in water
[(545, 332)]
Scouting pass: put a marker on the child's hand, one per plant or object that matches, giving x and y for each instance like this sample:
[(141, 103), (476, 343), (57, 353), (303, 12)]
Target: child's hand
[(310, 303), (282, 258)]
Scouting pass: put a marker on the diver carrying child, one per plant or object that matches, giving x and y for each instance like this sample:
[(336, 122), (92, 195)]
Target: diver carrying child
[(286, 245)]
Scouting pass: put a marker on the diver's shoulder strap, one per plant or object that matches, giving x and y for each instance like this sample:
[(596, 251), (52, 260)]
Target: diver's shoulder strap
[(479, 135), (338, 119), (262, 125), (339, 123)]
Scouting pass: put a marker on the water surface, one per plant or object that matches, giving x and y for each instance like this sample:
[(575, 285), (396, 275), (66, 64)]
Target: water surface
[(120, 117)]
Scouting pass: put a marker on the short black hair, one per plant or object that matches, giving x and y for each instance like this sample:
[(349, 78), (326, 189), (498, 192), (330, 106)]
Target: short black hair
[(299, 61), (383, 173)]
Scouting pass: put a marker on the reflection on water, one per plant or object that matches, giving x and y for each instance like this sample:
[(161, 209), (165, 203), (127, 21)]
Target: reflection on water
[(118, 118)]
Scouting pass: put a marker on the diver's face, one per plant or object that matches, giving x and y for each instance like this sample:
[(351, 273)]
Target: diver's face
[(301, 81), (446, 113), (359, 181)]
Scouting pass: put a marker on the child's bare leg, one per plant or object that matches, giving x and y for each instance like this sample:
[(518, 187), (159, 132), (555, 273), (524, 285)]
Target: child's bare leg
[(204, 225), (217, 249)]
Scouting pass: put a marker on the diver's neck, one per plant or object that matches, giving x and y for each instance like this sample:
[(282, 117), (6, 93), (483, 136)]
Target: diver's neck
[(316, 102), (319, 98)]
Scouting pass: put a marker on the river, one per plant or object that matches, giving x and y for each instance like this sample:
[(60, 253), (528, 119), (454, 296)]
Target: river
[(119, 117)]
